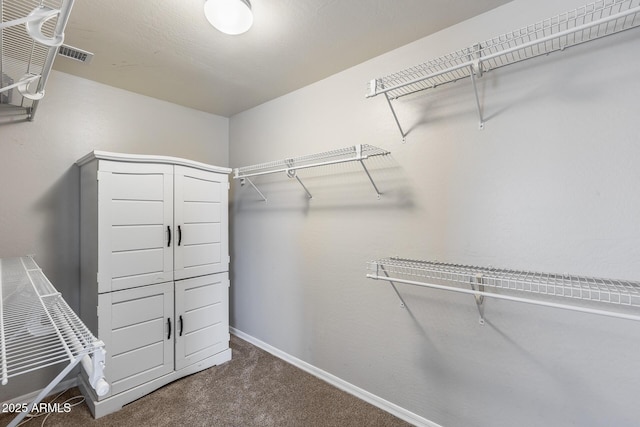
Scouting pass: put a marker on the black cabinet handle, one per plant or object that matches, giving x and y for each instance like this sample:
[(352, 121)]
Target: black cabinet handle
[(169, 321), (181, 325), (179, 235), (169, 231)]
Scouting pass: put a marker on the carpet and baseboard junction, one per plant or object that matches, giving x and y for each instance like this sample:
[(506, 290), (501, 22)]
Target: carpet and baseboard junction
[(260, 386)]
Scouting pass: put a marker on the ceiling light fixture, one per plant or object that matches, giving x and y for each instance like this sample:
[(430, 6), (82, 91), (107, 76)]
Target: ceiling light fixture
[(229, 16)]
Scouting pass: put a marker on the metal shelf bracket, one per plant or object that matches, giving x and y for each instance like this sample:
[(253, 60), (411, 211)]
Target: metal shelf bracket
[(291, 173), (242, 181), (395, 289), (395, 117), (475, 69), (479, 297)]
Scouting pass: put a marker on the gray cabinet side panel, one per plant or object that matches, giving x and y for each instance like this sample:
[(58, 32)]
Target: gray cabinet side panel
[(89, 245)]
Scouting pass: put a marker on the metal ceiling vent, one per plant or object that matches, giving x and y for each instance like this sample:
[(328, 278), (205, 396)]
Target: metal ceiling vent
[(75, 53)]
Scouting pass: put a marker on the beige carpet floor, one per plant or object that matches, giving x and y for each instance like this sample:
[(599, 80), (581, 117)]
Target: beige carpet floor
[(253, 389)]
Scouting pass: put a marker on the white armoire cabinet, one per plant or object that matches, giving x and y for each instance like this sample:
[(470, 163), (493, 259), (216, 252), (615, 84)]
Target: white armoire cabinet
[(154, 270)]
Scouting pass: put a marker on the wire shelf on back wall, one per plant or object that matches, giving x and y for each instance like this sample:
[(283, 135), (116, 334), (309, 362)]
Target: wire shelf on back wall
[(586, 23), (544, 289), (38, 329), (356, 153)]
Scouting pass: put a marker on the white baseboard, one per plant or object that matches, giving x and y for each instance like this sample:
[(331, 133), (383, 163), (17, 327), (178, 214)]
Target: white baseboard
[(381, 403), (28, 398)]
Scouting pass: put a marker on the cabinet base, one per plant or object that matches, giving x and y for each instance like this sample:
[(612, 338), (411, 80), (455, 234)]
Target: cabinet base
[(115, 403)]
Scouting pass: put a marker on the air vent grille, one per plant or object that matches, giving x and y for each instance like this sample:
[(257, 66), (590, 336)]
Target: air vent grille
[(75, 53)]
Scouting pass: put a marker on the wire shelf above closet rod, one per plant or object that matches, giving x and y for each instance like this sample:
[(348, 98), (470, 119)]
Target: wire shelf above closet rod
[(357, 153), (570, 292), (38, 329), (586, 23)]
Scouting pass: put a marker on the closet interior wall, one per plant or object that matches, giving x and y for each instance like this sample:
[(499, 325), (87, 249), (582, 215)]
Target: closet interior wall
[(548, 185)]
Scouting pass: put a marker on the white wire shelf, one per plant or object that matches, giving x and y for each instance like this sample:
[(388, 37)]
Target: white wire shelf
[(38, 329), (586, 294), (30, 33), (357, 153), (586, 23)]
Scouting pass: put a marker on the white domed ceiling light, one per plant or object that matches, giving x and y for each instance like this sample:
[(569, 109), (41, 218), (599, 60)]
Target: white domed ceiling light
[(229, 16)]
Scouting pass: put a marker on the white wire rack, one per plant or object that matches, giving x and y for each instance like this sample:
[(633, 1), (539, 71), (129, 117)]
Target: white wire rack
[(30, 33), (586, 23), (357, 153), (38, 329), (544, 289)]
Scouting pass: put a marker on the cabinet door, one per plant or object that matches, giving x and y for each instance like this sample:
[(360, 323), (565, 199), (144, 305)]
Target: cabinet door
[(135, 209), (202, 318), (138, 330), (201, 213)]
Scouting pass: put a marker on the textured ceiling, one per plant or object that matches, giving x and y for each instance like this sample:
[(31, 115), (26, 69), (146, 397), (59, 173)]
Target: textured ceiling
[(167, 50)]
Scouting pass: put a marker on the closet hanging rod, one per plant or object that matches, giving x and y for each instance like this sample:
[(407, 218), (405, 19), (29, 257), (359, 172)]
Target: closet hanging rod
[(536, 286)]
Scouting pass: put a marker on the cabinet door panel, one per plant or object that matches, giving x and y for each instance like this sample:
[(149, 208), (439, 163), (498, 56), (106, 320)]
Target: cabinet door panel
[(133, 323), (139, 212), (205, 341), (201, 318), (137, 310), (201, 213), (137, 362), (135, 210), (200, 293), (197, 234), (137, 335), (135, 263), (200, 188), (129, 238), (138, 186), (202, 302), (201, 256), (197, 212)]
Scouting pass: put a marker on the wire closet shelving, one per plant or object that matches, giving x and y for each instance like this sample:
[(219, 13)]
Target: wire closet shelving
[(576, 293), (30, 33), (290, 166), (586, 23), (38, 329)]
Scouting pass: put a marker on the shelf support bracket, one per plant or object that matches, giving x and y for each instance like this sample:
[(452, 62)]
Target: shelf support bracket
[(479, 298), (242, 180), (476, 69), (375, 187), (291, 173), (395, 117), (402, 303), (361, 160)]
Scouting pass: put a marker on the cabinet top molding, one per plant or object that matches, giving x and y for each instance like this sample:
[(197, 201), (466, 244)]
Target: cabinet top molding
[(144, 158)]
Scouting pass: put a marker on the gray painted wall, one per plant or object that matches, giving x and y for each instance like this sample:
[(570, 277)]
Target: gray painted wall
[(549, 185), (39, 183)]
